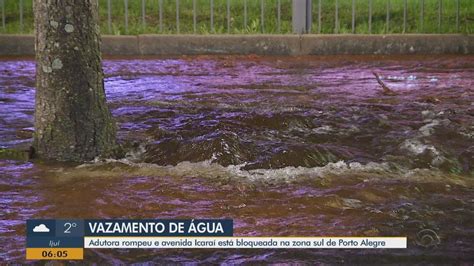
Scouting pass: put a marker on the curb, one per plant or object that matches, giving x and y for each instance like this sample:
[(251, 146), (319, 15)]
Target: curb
[(151, 44)]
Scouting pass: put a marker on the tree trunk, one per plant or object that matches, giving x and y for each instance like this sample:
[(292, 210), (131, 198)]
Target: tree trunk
[(72, 120)]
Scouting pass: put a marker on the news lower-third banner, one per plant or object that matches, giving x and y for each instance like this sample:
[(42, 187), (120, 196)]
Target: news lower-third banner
[(66, 239)]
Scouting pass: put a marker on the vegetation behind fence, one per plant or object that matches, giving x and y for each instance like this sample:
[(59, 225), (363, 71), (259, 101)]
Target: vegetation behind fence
[(120, 17)]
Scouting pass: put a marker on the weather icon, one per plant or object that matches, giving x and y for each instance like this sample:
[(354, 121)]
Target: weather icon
[(41, 229)]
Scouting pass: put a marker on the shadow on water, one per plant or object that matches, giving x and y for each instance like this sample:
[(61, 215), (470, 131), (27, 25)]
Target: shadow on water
[(284, 146)]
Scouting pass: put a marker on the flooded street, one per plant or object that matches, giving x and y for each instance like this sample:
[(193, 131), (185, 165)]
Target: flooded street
[(285, 146)]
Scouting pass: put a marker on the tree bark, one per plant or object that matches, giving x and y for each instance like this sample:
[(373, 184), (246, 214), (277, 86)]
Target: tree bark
[(72, 120)]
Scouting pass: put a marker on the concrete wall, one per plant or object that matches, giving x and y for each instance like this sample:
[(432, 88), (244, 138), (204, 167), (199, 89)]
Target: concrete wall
[(17, 44), (120, 45), (265, 44), (387, 44), (219, 44)]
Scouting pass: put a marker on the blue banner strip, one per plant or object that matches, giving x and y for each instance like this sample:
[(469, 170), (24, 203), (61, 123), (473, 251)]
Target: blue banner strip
[(54, 242)]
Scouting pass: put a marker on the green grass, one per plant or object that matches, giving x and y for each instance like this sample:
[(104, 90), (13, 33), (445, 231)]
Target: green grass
[(379, 11)]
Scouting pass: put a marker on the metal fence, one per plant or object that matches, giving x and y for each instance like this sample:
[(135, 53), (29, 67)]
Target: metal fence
[(300, 26), (265, 16)]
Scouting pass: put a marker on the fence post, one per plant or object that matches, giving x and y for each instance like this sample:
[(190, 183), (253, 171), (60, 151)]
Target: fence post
[(21, 15), (194, 16), (228, 16), (353, 16), (143, 14), (422, 15), (309, 15), (160, 11), (177, 16), (457, 16), (440, 14), (319, 16), (405, 16), (278, 16), (126, 16), (388, 16), (212, 16), (301, 16), (3, 14), (109, 22), (370, 16), (245, 14), (262, 15), (336, 18)]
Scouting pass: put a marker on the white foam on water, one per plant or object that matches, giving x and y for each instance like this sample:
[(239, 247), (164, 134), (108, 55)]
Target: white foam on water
[(415, 147), (372, 172), (209, 169), (428, 129)]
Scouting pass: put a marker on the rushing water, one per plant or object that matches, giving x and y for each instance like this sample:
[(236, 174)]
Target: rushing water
[(285, 146)]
